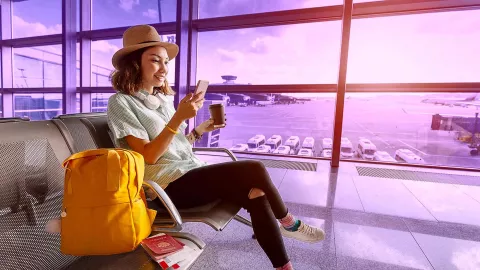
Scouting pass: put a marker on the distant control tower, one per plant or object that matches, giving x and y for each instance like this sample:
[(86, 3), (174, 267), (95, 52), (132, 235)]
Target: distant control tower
[(229, 79)]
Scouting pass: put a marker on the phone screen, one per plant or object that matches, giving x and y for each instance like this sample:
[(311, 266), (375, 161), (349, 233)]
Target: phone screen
[(202, 86)]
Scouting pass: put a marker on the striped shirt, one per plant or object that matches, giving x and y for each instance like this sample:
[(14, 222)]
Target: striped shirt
[(127, 115)]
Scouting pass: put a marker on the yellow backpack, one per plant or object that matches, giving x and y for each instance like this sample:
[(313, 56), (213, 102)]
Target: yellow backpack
[(104, 209)]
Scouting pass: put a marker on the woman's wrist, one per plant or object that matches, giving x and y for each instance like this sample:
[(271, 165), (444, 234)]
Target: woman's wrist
[(175, 122), (196, 130), (196, 134)]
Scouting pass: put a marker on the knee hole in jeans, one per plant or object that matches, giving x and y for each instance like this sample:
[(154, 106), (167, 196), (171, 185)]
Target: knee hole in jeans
[(255, 193)]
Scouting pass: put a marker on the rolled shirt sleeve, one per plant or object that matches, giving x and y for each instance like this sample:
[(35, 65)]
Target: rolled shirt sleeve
[(123, 121)]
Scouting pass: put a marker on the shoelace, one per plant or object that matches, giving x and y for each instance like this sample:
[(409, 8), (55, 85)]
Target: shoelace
[(306, 229)]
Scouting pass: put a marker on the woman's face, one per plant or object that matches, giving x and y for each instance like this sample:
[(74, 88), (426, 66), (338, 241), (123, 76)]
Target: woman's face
[(154, 67)]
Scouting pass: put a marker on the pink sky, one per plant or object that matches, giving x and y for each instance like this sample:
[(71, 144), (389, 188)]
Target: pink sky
[(435, 47)]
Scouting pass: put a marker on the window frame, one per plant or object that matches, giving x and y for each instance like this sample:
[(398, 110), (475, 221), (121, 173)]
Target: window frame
[(187, 33)]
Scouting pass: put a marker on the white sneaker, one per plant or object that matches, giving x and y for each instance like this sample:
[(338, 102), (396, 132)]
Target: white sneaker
[(305, 233)]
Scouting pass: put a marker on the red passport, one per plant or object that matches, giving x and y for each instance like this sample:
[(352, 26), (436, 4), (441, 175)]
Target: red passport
[(162, 244)]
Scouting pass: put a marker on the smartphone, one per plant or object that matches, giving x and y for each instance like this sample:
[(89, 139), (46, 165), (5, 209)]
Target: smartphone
[(202, 86)]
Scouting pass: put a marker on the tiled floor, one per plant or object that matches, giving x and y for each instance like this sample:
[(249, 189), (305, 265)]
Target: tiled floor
[(370, 223)]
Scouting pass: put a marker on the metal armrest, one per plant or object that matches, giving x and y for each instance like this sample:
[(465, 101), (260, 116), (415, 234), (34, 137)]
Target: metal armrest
[(225, 150), (172, 210)]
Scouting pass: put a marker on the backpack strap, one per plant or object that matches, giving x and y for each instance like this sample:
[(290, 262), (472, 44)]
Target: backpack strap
[(139, 170)]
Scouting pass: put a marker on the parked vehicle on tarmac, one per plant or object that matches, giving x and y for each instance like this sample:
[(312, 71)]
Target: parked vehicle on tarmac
[(294, 143), (365, 149), (407, 156), (346, 148), (309, 143), (274, 142), (383, 156), (283, 150), (305, 152), (254, 142), (263, 149), (326, 153), (240, 147)]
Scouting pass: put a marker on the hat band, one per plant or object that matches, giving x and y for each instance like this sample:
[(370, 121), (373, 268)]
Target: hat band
[(148, 42)]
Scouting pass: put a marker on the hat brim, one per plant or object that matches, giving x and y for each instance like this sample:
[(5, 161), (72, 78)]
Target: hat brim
[(172, 50)]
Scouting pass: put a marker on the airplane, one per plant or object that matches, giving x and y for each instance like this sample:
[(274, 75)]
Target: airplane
[(473, 100)]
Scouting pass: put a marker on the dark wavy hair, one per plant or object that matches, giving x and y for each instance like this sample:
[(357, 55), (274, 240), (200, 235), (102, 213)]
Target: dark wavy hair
[(127, 79)]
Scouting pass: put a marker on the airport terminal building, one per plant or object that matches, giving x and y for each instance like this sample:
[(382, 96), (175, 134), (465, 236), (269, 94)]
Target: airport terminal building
[(365, 113)]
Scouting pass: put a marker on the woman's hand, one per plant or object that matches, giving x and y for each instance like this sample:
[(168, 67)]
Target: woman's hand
[(188, 107), (200, 103), (207, 126)]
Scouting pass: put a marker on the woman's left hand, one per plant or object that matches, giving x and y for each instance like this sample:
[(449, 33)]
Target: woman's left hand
[(207, 126)]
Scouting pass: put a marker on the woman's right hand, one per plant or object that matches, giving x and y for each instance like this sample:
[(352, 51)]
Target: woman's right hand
[(187, 108)]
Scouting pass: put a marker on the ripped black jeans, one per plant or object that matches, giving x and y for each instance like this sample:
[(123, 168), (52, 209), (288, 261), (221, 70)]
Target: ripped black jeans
[(233, 181)]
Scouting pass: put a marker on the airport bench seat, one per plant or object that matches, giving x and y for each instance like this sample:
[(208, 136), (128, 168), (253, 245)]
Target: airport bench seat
[(31, 193), (217, 214)]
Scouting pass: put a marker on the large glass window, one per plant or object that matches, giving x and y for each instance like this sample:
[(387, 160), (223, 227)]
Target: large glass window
[(435, 129), (431, 47), (37, 106), (36, 18), (291, 54), (78, 65), (220, 8), (287, 124), (1, 106), (110, 14), (102, 52), (100, 101), (37, 67)]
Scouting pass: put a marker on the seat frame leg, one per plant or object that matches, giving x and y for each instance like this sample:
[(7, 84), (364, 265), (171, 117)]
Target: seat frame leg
[(243, 220)]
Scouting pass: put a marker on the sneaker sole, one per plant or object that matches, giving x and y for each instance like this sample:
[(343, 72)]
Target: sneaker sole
[(306, 241)]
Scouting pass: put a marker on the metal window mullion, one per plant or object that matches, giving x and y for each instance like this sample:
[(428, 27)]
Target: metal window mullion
[(6, 58), (342, 83), (69, 55), (34, 41), (85, 55), (192, 53), (182, 40)]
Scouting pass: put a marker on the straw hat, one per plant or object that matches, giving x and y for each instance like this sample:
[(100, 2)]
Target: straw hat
[(141, 36)]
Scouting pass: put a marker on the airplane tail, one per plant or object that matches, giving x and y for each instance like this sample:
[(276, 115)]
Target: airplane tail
[(474, 98)]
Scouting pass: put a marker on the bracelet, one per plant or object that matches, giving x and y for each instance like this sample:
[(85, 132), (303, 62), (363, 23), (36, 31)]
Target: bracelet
[(197, 136), (171, 130)]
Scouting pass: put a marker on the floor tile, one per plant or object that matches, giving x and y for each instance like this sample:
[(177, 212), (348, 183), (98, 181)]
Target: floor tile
[(276, 175), (233, 248), (200, 230), (389, 197), (305, 187), (369, 219), (320, 189), (472, 191), (345, 193), (449, 253), (444, 229), (446, 202), (358, 247), (348, 167)]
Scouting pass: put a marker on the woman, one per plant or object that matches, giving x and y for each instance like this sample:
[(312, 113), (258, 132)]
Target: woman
[(142, 118)]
